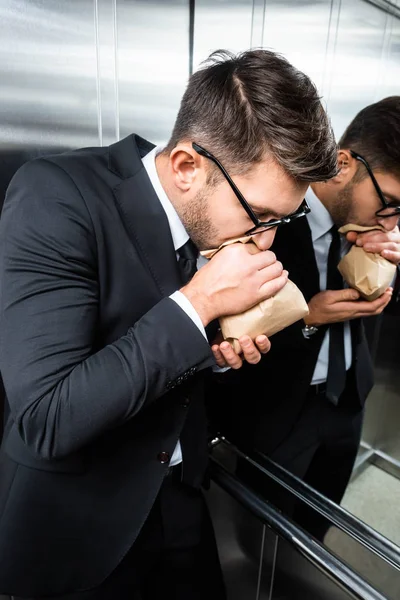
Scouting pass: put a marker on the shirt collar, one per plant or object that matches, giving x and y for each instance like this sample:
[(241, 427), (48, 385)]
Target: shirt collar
[(178, 232), (319, 219)]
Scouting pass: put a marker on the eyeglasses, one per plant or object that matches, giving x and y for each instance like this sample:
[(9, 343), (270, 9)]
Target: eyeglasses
[(259, 226), (389, 208)]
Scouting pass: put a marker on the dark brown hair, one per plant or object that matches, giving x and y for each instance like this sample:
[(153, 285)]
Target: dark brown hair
[(375, 134), (242, 107)]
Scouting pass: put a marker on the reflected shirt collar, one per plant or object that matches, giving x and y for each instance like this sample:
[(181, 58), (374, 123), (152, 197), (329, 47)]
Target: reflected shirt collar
[(178, 232), (319, 219)]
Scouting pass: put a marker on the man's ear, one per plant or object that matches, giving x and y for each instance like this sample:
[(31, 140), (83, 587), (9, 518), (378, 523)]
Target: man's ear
[(187, 167), (347, 167)]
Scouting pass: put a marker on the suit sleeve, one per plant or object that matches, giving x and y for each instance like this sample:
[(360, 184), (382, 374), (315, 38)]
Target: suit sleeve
[(63, 393)]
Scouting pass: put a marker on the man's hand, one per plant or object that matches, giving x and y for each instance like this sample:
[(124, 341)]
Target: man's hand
[(237, 278), (385, 243), (333, 306), (225, 356)]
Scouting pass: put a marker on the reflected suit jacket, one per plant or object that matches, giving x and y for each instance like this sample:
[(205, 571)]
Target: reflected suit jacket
[(259, 404), (100, 367)]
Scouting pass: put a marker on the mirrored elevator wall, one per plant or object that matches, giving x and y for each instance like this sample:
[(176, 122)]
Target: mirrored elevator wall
[(89, 72), (85, 73)]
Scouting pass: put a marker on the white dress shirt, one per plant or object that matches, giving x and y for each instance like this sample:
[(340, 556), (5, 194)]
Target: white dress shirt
[(320, 223), (179, 238)]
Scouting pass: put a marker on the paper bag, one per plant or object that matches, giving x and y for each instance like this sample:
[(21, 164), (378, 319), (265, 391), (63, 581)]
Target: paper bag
[(267, 317), (370, 274)]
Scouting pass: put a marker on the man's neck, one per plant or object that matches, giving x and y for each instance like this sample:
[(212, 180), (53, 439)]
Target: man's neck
[(322, 192)]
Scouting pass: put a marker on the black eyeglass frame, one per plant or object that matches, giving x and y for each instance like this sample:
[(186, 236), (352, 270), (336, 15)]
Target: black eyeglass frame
[(386, 205), (259, 226)]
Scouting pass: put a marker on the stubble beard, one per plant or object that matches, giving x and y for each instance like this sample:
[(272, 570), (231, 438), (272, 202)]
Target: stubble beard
[(197, 222), (341, 209)]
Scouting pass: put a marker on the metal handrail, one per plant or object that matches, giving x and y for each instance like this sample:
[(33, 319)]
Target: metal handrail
[(338, 516), (312, 550), (386, 6)]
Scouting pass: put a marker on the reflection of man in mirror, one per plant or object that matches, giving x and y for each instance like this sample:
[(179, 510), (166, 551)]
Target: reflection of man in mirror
[(304, 400)]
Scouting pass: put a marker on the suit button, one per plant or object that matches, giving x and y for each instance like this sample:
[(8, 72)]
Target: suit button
[(185, 402), (163, 457)]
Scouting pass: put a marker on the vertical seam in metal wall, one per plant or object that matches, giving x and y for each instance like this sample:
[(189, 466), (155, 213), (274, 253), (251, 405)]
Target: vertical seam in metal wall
[(263, 23), (98, 88), (260, 566), (328, 94), (252, 25), (116, 71), (192, 9), (271, 589), (325, 67), (384, 54)]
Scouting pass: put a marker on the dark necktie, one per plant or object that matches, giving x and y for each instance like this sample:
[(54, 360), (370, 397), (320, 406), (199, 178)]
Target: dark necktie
[(337, 366), (187, 261)]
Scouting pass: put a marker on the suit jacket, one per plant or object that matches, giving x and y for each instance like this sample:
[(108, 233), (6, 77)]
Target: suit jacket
[(10, 161), (100, 367), (259, 404)]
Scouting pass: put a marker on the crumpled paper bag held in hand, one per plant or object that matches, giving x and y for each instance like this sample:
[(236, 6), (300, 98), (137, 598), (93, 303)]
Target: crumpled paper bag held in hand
[(267, 317), (368, 273)]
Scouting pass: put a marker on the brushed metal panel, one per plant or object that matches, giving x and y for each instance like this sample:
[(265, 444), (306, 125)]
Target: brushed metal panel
[(224, 24), (152, 63), (357, 61), (390, 82), (48, 94), (382, 419), (299, 31), (107, 70)]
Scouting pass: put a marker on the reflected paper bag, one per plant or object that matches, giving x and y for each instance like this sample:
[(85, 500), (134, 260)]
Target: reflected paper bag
[(370, 274), (267, 317)]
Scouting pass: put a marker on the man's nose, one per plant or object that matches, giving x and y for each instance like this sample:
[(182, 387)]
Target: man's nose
[(389, 223), (265, 239)]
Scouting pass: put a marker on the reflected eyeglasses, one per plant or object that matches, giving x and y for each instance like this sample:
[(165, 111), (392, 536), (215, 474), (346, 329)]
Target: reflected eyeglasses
[(389, 209), (259, 226)]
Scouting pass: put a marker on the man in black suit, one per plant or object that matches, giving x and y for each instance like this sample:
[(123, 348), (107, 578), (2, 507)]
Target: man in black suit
[(319, 373), (103, 343)]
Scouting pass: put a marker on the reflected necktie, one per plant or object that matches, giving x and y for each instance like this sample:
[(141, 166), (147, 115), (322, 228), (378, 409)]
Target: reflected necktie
[(337, 365), (187, 261)]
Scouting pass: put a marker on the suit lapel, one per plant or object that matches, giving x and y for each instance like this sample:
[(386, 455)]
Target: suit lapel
[(143, 215)]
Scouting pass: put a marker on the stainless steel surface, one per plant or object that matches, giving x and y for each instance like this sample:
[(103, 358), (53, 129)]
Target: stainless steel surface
[(299, 30), (312, 570), (241, 571), (368, 552), (86, 73), (380, 459), (359, 60), (225, 24), (48, 74), (336, 515), (382, 419), (381, 440), (153, 65)]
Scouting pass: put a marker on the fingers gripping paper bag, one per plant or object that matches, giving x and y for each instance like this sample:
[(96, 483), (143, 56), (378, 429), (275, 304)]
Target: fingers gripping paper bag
[(267, 317), (368, 273)]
